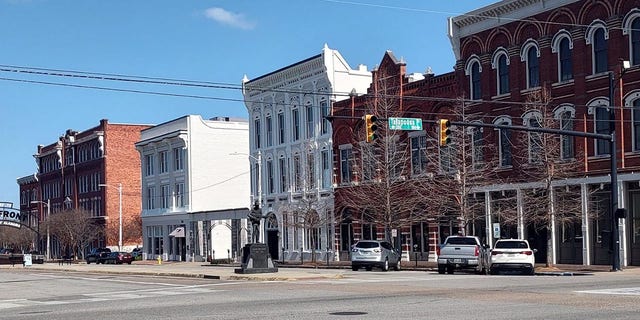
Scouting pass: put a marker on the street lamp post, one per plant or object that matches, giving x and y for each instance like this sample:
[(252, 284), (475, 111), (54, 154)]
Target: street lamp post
[(119, 213), (48, 204), (615, 228), (258, 161)]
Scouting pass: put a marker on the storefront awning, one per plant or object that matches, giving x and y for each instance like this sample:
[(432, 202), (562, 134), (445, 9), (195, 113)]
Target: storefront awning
[(178, 232)]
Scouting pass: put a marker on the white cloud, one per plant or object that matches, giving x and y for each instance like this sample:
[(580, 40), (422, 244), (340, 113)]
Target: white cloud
[(225, 17)]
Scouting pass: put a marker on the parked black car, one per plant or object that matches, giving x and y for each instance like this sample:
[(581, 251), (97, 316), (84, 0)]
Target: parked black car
[(97, 255)]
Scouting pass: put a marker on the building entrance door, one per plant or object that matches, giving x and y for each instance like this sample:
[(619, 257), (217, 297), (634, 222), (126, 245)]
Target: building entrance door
[(633, 224)]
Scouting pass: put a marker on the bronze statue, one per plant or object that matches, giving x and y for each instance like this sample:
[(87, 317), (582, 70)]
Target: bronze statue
[(255, 216)]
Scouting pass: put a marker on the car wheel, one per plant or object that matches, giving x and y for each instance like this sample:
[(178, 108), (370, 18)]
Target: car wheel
[(354, 268), (441, 268), (398, 265), (449, 270), (531, 271), (385, 266)]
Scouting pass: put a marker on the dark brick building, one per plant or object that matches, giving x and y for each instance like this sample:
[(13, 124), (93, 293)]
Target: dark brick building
[(506, 53)]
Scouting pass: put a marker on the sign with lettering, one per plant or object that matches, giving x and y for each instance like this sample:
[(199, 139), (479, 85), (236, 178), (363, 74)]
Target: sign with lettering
[(10, 216), (405, 124)]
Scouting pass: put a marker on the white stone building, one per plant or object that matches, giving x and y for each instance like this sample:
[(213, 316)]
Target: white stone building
[(195, 188), (291, 143)]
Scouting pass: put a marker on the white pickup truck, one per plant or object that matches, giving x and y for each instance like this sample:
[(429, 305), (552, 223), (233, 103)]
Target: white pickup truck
[(462, 252)]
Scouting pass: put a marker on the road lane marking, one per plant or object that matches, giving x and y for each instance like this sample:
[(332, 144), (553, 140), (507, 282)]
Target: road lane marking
[(615, 291)]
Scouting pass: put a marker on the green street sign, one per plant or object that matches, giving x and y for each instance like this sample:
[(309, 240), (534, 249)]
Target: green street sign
[(405, 124)]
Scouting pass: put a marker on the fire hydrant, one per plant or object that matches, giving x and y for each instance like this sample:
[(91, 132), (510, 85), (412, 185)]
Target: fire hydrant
[(159, 259)]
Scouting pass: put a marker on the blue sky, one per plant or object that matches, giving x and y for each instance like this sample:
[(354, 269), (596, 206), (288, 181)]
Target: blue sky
[(213, 41)]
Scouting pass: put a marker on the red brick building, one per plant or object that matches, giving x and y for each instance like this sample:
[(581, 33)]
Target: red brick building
[(393, 93), (505, 53), (86, 170)]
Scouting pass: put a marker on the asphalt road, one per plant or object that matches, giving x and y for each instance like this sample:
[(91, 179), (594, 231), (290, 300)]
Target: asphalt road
[(37, 294)]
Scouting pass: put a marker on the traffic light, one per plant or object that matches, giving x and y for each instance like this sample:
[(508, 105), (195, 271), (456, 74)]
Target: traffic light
[(444, 132), (371, 126)]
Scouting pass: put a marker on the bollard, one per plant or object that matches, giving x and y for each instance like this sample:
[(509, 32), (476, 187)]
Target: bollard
[(159, 259)]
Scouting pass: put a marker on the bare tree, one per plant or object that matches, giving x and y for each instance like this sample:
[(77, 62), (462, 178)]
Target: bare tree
[(546, 160), (19, 239), (74, 229), (458, 169), (381, 188)]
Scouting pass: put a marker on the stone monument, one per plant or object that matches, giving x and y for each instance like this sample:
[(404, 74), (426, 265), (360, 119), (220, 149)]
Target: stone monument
[(255, 255)]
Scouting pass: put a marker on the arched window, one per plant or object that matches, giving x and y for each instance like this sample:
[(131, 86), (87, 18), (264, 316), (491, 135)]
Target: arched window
[(533, 120), (504, 142), (476, 93), (599, 51), (633, 101), (635, 41), (565, 64), (533, 68), (563, 46), (599, 108), (565, 115), (473, 70), (503, 75)]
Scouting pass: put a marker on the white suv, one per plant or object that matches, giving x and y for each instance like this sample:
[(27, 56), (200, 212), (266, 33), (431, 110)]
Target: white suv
[(373, 253), (512, 254)]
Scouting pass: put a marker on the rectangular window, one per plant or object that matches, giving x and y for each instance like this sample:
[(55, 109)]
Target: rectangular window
[(602, 127), (269, 124), (310, 124), (297, 173), (368, 162), (311, 170), (326, 125), (149, 164), (345, 165), (295, 125), (281, 125), (270, 179), (282, 167), (179, 198), (326, 169), (165, 194), (478, 147), (567, 142), (151, 197), (178, 159), (505, 147), (535, 142), (256, 133), (285, 231), (533, 68), (418, 154), (164, 161), (635, 42)]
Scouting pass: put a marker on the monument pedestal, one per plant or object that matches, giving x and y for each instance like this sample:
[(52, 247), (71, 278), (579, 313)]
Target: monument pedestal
[(256, 259)]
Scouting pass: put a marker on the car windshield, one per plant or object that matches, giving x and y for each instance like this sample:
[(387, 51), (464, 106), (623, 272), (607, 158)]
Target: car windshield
[(367, 245), (511, 245)]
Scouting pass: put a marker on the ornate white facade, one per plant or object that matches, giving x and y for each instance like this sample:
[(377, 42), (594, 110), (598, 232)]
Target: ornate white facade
[(290, 143)]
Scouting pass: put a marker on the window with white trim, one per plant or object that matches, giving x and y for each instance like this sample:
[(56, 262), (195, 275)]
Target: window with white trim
[(297, 173), (178, 158), (476, 91), (310, 124), (281, 128), (635, 41), (324, 108), (533, 120), (283, 169), (179, 195), (165, 196), (500, 63), (256, 133), (565, 115), (345, 164), (600, 53), (149, 165), (270, 177), (477, 146), (295, 124), (419, 153), (504, 142), (599, 109), (326, 168), (269, 123), (151, 197), (530, 56), (164, 161)]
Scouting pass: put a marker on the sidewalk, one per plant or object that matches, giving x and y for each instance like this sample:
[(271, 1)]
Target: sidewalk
[(286, 272)]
